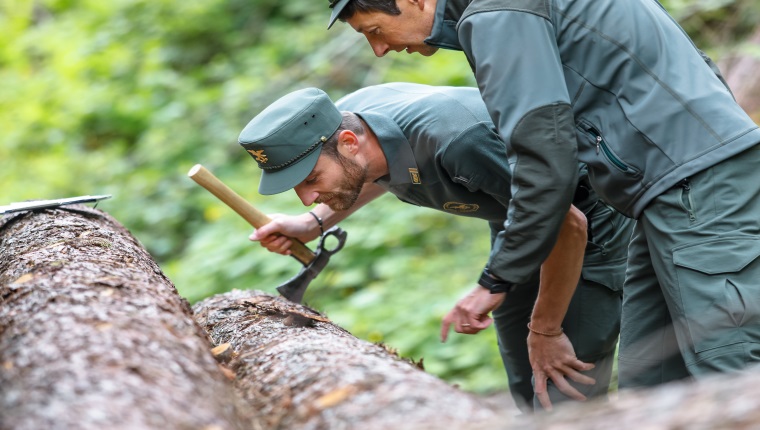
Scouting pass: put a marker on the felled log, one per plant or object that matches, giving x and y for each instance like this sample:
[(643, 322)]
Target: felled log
[(721, 401), (299, 370), (94, 336)]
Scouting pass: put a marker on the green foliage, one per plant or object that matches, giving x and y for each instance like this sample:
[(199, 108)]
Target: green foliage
[(123, 97), (716, 26)]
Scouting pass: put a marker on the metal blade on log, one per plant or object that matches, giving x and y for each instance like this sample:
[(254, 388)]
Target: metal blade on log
[(94, 336), (300, 371)]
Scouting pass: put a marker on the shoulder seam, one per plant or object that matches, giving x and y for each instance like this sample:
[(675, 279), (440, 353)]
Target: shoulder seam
[(535, 7)]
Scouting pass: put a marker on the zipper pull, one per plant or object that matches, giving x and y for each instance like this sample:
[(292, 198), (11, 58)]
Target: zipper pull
[(598, 142)]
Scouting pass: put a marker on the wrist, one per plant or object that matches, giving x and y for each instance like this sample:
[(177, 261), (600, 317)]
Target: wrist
[(494, 284), (553, 332), (319, 221)]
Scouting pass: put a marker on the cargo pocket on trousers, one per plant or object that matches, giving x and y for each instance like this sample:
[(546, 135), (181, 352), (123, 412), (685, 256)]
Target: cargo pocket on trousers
[(607, 249), (719, 284), (593, 318), (611, 274)]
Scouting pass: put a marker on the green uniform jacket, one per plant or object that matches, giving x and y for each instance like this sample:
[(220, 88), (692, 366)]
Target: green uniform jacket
[(616, 84), (443, 151)]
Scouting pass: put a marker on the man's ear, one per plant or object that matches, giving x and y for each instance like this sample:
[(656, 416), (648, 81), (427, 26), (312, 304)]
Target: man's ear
[(420, 4), (348, 143)]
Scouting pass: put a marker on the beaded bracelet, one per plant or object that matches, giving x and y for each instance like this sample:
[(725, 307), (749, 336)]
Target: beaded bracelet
[(561, 330), (319, 221)]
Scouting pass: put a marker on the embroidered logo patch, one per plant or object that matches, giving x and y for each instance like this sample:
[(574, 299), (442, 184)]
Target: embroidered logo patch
[(259, 155), (415, 174), (460, 207)]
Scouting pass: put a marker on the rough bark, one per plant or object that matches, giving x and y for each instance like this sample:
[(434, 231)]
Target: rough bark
[(741, 73), (301, 371), (722, 401), (93, 335)]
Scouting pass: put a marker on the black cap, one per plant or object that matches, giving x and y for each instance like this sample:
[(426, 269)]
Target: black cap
[(337, 7)]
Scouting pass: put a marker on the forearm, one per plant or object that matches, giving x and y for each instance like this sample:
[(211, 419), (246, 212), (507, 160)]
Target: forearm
[(544, 179), (560, 273), (527, 99)]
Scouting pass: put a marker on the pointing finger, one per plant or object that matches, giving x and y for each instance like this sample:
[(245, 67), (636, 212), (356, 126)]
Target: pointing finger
[(445, 330)]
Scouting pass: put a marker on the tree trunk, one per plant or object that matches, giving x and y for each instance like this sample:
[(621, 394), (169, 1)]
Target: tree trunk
[(742, 75), (300, 371), (721, 401), (94, 336)]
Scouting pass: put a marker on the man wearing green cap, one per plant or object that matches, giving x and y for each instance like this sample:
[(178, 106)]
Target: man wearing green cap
[(436, 147), (619, 86)]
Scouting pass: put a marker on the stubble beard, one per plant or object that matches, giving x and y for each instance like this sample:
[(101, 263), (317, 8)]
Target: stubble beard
[(350, 187)]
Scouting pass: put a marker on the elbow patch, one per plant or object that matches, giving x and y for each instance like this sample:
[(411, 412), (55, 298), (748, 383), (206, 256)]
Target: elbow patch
[(545, 143), (552, 125)]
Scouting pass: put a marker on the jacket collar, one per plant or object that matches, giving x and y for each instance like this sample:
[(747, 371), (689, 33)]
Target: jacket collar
[(397, 149), (444, 32)]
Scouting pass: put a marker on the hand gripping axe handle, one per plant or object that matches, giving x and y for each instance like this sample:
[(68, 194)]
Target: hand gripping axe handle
[(313, 263)]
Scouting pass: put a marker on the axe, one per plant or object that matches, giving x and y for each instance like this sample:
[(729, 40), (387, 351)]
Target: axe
[(49, 204), (313, 263)]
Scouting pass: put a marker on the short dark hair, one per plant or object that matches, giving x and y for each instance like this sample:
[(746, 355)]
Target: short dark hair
[(388, 7), (350, 122)]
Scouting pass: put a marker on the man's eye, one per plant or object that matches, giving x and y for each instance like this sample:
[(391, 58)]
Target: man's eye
[(375, 31), (311, 181)]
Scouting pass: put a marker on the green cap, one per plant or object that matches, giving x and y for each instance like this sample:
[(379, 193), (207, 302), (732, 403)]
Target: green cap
[(286, 138), (337, 7)]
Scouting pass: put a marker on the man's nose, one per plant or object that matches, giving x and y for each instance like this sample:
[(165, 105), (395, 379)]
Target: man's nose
[(380, 48), (307, 197)]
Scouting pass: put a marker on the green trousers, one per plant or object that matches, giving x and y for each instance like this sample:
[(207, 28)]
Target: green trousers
[(691, 302), (592, 322)]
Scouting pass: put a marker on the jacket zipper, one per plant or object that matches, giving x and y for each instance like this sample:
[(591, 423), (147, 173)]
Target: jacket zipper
[(601, 146), (686, 201), (610, 156)]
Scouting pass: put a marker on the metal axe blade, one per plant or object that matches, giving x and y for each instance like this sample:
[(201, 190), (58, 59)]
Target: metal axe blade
[(47, 204), (296, 286)]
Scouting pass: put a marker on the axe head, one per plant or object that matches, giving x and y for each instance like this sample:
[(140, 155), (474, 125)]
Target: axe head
[(47, 204), (295, 288)]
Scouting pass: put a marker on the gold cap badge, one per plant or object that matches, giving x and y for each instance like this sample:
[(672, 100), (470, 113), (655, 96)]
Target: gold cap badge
[(259, 155)]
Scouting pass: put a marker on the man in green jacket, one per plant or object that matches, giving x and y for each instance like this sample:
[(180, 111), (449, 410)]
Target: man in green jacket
[(436, 147), (619, 86)]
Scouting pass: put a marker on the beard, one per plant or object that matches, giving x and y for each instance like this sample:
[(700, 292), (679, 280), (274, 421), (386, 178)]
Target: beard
[(349, 188)]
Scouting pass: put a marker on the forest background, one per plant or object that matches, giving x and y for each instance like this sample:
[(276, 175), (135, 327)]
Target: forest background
[(123, 97)]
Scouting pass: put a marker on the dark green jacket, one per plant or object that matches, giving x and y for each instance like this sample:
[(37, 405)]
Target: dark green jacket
[(616, 84), (442, 149)]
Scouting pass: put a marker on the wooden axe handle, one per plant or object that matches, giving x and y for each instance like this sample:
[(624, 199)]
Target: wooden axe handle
[(256, 218)]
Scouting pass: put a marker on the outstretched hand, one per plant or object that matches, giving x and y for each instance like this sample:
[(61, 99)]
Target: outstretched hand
[(470, 314), (553, 357)]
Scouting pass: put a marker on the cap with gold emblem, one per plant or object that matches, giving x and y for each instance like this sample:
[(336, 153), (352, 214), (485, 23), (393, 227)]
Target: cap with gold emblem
[(337, 7), (286, 138)]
